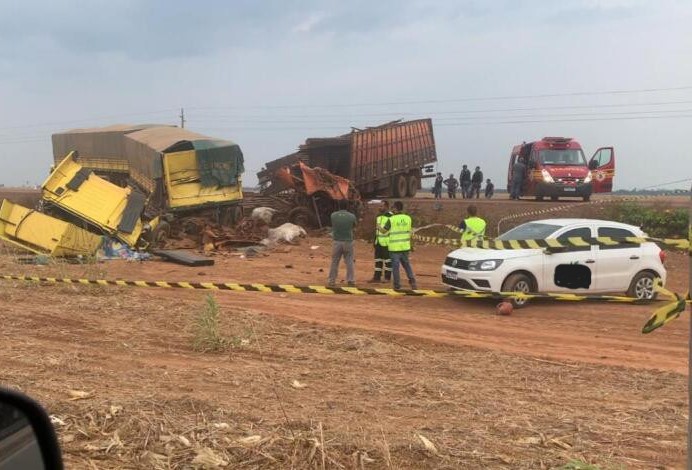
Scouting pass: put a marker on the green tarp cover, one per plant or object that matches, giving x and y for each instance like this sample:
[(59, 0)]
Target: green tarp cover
[(220, 162)]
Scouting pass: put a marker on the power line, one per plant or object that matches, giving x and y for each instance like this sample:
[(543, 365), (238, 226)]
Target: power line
[(667, 184), (455, 100), (443, 119), (470, 111), (454, 124), (56, 123)]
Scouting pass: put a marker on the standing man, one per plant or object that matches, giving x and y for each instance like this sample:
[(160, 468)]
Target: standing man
[(476, 182), (465, 179), (489, 189), (518, 173), (452, 184), (343, 223), (382, 261), (472, 227), (400, 229), (437, 189)]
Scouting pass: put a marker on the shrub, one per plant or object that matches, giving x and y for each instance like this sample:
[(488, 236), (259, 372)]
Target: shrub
[(208, 337), (656, 221)]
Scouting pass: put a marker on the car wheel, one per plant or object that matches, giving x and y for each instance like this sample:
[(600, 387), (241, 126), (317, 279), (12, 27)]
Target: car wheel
[(518, 283), (642, 286)]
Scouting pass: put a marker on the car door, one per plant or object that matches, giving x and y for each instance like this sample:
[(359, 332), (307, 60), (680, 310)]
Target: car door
[(602, 166), (617, 264), (582, 255)]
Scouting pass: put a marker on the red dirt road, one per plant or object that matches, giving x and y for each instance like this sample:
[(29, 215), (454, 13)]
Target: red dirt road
[(582, 332)]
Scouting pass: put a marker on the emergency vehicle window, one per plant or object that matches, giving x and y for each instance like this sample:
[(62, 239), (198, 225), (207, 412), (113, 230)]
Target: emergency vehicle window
[(616, 233), (583, 232), (603, 157)]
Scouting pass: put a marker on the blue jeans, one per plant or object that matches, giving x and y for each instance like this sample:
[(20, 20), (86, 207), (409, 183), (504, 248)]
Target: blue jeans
[(401, 257)]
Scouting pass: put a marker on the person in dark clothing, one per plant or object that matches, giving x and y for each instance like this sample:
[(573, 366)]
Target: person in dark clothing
[(489, 189), (383, 263), (518, 174), (452, 185), (437, 189), (465, 179), (476, 182)]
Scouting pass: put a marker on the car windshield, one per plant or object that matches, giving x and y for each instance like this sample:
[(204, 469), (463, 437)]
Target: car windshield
[(530, 231), (574, 157)]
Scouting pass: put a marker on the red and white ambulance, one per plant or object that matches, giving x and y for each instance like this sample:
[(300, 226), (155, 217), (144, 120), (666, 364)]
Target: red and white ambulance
[(556, 167)]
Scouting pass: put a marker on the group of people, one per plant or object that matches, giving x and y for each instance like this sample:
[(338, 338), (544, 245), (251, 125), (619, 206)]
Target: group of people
[(393, 242), (468, 184)]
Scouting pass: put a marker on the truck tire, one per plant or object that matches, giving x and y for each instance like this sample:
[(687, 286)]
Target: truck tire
[(399, 186), (302, 216), (412, 186)]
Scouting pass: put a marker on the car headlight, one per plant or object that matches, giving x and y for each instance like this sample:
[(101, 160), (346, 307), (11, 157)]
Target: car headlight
[(485, 265), (588, 177), (546, 176)]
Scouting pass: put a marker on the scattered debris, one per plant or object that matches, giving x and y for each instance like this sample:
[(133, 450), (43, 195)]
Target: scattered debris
[(288, 233)]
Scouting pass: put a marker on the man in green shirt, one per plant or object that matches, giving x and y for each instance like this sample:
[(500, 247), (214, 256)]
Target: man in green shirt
[(343, 223)]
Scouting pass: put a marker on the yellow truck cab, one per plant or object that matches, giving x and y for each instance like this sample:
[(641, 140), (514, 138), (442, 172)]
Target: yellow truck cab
[(77, 191)]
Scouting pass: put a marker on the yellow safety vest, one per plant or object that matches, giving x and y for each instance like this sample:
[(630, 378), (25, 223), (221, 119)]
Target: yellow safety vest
[(400, 233), (382, 238), (475, 229)]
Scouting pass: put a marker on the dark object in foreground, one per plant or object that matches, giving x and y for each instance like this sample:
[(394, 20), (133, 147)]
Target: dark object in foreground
[(184, 257)]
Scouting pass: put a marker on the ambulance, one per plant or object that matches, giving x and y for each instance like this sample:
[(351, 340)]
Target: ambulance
[(556, 168)]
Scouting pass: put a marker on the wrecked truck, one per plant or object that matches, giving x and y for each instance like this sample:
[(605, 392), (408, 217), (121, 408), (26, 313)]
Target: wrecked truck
[(42, 234), (306, 196), (387, 160), (182, 175)]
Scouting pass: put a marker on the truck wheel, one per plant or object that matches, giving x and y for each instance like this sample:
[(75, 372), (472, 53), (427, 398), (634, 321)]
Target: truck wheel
[(412, 186), (302, 216), (400, 186)]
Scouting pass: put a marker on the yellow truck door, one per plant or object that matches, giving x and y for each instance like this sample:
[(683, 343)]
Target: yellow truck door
[(184, 187)]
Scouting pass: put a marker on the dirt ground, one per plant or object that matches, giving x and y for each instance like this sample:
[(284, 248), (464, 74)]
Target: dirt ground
[(312, 381)]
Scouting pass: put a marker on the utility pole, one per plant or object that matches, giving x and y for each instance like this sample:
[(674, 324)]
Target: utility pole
[(182, 118)]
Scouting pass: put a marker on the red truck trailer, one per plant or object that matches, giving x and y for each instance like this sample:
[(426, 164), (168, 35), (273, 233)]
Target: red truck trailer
[(556, 167), (387, 160)]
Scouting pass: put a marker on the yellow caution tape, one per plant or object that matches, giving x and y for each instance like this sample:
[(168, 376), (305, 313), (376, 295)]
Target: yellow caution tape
[(297, 289), (495, 244)]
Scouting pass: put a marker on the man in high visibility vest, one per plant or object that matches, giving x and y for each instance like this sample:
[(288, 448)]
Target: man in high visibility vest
[(383, 263), (473, 227), (400, 229)]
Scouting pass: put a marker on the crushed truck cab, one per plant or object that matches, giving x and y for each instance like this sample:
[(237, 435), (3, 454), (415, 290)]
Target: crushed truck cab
[(42, 234), (77, 191)]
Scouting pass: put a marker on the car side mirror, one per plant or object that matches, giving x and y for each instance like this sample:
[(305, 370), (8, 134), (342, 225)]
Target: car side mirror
[(27, 438)]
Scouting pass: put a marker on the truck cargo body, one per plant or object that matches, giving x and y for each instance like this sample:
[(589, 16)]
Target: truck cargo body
[(178, 170), (385, 160), (42, 234)]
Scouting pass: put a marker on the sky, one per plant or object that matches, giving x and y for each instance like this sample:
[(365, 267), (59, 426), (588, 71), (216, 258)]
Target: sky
[(268, 74)]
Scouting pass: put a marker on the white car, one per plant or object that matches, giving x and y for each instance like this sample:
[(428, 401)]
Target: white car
[(629, 268)]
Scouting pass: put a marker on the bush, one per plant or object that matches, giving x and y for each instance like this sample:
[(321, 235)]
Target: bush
[(656, 221), (208, 337)]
